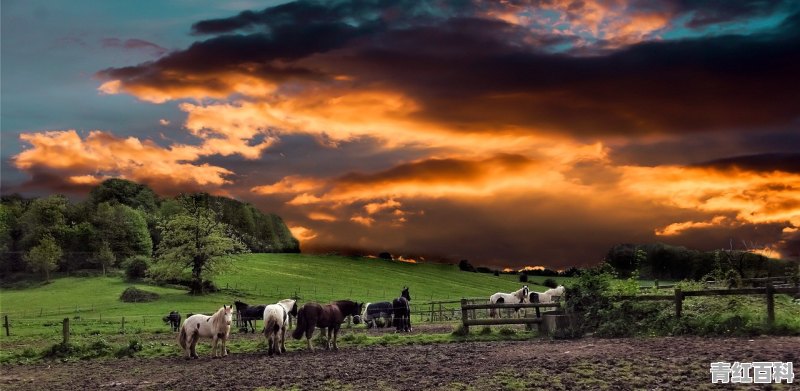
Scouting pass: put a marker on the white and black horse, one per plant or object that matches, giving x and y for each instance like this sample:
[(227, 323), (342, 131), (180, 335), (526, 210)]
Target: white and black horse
[(547, 296), (378, 314), (518, 296), (402, 311)]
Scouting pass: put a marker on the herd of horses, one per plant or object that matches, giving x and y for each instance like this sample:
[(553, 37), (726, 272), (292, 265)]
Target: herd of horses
[(328, 317)]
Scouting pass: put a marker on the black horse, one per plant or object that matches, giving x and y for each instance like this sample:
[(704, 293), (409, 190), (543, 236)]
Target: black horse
[(247, 314), (173, 319), (402, 311)]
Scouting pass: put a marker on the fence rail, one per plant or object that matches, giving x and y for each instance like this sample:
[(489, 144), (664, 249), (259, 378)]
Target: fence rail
[(466, 308)]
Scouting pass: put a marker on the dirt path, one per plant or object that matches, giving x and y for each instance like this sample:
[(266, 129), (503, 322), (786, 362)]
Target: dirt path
[(657, 363)]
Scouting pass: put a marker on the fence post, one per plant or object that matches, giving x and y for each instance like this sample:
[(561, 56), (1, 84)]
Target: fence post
[(65, 331), (464, 315), (123, 324), (770, 304), (5, 324), (678, 302)]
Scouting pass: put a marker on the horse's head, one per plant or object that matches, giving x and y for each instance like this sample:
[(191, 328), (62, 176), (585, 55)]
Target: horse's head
[(359, 309), (405, 293), (228, 313), (523, 293), (293, 310)]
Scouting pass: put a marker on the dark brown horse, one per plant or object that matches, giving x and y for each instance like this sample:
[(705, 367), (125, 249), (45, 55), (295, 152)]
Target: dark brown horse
[(328, 316)]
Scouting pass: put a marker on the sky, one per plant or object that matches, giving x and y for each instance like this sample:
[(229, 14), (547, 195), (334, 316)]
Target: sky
[(510, 133)]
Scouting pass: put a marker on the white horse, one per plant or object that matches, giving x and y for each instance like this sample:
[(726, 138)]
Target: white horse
[(547, 296), (217, 327), (276, 320), (518, 296)]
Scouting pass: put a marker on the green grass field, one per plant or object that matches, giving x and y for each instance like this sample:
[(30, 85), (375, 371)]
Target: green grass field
[(94, 306)]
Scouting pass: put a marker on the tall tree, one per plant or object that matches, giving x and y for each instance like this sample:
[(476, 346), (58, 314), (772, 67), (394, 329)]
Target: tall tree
[(194, 241), (104, 256), (44, 257), (125, 230)]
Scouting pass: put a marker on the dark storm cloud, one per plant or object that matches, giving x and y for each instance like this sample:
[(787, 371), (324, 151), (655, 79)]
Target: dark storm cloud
[(786, 162), (134, 43), (663, 87), (703, 13), (475, 73)]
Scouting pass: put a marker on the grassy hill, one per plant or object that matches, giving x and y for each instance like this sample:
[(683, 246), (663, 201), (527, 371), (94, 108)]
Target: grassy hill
[(254, 278)]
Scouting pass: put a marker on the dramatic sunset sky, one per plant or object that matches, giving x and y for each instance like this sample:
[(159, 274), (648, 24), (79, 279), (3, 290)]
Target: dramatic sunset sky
[(508, 133)]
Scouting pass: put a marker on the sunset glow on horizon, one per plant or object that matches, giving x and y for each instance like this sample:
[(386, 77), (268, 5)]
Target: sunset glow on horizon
[(507, 133)]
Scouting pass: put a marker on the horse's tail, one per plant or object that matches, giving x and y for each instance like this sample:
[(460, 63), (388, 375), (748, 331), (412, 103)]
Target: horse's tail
[(301, 324), (182, 338), (271, 325)]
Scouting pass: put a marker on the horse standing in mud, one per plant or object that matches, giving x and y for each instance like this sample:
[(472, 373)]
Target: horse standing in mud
[(217, 327), (328, 316), (402, 311), (276, 320), (518, 296)]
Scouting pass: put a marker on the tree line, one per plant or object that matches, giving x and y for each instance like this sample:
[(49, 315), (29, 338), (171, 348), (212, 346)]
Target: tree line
[(124, 224), (663, 261)]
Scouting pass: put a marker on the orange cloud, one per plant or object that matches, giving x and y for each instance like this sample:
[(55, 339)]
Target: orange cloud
[(367, 221), (102, 154), (678, 228), (302, 233), (375, 207), (319, 216)]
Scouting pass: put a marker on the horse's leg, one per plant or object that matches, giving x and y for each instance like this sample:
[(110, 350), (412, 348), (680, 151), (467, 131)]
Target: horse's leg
[(329, 335), (283, 340), (193, 345), (214, 341), (309, 334), (224, 345), (335, 336), (270, 342)]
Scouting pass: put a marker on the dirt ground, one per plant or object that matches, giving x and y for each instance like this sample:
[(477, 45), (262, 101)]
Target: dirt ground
[(649, 363)]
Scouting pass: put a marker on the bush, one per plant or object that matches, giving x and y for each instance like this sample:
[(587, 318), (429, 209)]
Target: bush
[(63, 350), (550, 283), (136, 267), (461, 331), (134, 346), (135, 295), (523, 277)]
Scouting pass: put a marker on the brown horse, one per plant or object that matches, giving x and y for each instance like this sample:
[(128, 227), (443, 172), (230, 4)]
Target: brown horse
[(328, 316)]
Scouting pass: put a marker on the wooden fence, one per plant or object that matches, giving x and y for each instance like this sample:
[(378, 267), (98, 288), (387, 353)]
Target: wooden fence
[(680, 295), (466, 308)]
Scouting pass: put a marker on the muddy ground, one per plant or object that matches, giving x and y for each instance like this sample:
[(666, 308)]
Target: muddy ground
[(649, 363)]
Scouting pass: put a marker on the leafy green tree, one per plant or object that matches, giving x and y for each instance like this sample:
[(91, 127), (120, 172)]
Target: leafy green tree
[(44, 257), (125, 192), (45, 216), (194, 241), (104, 256), (125, 230)]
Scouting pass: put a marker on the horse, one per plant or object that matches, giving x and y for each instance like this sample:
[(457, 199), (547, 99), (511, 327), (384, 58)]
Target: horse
[(518, 296), (276, 319), (248, 314), (402, 311), (217, 327), (330, 316), (546, 296), (373, 312), (173, 319)]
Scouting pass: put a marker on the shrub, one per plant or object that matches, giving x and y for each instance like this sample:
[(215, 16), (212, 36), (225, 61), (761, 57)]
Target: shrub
[(62, 350), (550, 283), (523, 277), (134, 345), (506, 331), (461, 331), (136, 267), (135, 295)]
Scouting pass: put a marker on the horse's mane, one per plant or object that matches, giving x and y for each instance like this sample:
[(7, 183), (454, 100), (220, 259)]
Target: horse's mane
[(288, 304), (218, 319)]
